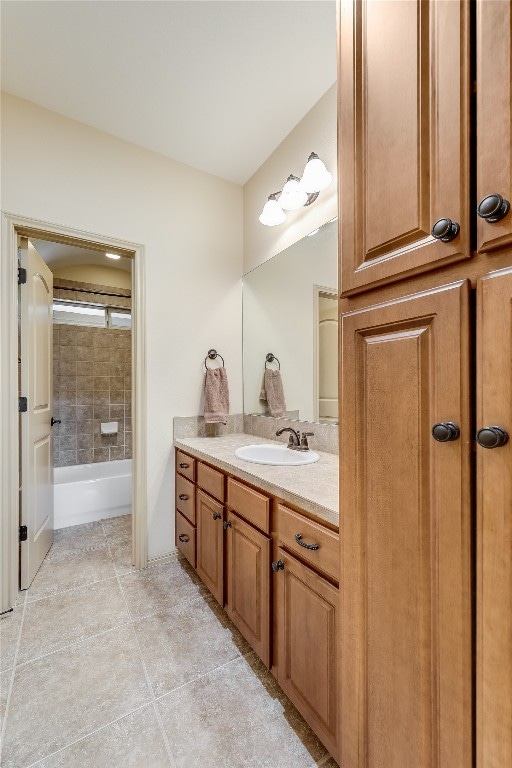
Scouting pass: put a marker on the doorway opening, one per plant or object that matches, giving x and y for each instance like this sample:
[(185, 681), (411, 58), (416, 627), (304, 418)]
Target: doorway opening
[(90, 408)]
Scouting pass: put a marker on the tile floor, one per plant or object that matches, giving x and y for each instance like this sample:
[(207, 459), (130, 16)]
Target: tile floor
[(102, 665)]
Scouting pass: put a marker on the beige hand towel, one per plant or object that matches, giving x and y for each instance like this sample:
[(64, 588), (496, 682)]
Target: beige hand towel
[(274, 393), (216, 396)]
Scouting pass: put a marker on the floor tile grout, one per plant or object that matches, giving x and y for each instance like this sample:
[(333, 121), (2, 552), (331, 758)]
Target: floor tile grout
[(11, 682)]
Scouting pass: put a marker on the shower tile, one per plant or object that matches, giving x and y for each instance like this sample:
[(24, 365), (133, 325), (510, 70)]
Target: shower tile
[(132, 742), (100, 454), (117, 397), (85, 426), (102, 354), (84, 353), (101, 398), (128, 452), (116, 383), (116, 411), (116, 453), (85, 442), (117, 357), (67, 428), (83, 368), (67, 412), (101, 369), (67, 336), (67, 458), (85, 383), (67, 368), (68, 443), (84, 412), (85, 456), (221, 704), (101, 412), (103, 680), (67, 383), (101, 383), (68, 352), (85, 398), (63, 570), (54, 622), (128, 381)]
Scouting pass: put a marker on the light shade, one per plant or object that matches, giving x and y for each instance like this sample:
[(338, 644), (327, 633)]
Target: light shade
[(316, 177), (293, 195), (272, 213)]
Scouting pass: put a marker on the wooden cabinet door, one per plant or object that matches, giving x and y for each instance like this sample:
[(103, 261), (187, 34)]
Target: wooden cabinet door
[(209, 544), (248, 583), (307, 610), (494, 524), (405, 534), (403, 137), (494, 116)]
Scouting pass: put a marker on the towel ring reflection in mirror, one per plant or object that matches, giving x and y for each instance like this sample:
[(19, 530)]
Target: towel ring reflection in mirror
[(270, 358), (212, 354)]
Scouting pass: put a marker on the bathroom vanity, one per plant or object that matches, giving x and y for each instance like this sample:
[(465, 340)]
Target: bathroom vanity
[(264, 540)]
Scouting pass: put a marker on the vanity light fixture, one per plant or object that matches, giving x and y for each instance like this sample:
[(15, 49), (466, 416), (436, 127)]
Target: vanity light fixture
[(296, 192), (112, 256)]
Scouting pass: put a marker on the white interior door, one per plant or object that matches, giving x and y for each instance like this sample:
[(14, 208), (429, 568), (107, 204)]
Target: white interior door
[(36, 480)]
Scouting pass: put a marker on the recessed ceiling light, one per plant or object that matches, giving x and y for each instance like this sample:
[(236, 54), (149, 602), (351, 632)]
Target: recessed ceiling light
[(112, 256)]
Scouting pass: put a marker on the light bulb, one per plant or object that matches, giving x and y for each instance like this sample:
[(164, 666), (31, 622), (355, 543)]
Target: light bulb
[(293, 195), (272, 213), (112, 256), (316, 177)]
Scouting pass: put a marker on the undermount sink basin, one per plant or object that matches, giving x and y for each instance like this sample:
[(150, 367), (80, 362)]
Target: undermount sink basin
[(278, 455)]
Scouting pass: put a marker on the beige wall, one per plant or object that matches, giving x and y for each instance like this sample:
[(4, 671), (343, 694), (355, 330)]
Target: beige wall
[(316, 132), (190, 224), (94, 273)]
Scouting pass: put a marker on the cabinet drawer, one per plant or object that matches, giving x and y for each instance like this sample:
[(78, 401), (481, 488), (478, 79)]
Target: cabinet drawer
[(186, 465), (326, 557), (211, 481), (251, 505), (185, 501), (186, 539)]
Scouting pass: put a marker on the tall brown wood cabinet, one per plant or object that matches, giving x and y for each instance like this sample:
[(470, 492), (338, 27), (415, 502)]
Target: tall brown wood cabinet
[(425, 364)]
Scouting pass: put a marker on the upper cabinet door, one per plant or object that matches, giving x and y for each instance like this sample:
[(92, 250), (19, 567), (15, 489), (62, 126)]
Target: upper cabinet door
[(403, 132), (494, 122), (405, 516)]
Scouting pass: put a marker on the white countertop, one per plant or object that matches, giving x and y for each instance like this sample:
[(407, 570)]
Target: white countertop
[(312, 487)]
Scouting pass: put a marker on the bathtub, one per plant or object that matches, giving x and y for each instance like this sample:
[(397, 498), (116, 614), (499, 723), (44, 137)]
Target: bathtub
[(89, 492)]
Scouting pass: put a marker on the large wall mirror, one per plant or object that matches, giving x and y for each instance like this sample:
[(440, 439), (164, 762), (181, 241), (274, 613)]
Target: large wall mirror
[(290, 310)]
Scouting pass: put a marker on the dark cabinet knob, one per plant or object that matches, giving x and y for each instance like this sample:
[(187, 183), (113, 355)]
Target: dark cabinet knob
[(279, 566), (493, 208), (445, 230), (445, 431), (216, 515), (55, 421), (492, 437), (183, 537), (227, 524), (184, 466), (183, 497)]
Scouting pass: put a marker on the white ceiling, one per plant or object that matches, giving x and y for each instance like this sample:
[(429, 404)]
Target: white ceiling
[(214, 84), (59, 255)]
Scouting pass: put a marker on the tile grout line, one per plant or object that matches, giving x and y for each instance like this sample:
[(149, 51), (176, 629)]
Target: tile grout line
[(11, 683), (146, 675)]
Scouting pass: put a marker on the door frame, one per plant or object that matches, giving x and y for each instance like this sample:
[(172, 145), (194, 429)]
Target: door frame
[(12, 226), (318, 291)]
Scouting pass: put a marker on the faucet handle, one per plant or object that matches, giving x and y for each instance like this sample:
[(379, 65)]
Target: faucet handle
[(304, 439)]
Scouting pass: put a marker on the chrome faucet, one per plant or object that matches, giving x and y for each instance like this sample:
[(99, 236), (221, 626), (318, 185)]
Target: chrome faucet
[(296, 440)]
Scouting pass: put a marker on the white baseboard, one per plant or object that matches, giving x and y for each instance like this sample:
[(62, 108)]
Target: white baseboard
[(79, 518)]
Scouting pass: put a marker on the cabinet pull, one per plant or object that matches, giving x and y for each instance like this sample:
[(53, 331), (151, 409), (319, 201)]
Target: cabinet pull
[(184, 466), (183, 537), (493, 208), (227, 524), (298, 539), (183, 497), (445, 230), (492, 437), (279, 566), (216, 515), (445, 431)]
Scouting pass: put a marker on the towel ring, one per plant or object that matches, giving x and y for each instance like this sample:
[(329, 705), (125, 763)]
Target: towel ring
[(212, 354), (270, 358)]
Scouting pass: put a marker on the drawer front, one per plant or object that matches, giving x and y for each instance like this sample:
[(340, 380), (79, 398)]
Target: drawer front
[(186, 539), (186, 465), (185, 501), (292, 526), (249, 504), (211, 481)]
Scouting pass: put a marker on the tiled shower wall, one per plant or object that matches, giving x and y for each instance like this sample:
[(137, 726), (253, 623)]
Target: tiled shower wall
[(92, 383)]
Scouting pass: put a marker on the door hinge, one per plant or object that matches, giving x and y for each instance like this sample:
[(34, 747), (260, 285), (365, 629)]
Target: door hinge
[(23, 533), (22, 405), (22, 275)]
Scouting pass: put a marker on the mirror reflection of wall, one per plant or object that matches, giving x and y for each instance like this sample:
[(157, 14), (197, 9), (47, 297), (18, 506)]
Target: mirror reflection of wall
[(287, 310)]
